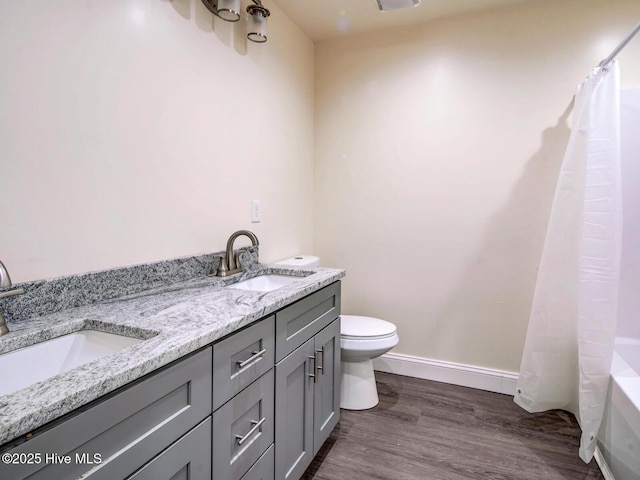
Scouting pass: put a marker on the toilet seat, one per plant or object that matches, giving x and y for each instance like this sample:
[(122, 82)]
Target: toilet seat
[(357, 327)]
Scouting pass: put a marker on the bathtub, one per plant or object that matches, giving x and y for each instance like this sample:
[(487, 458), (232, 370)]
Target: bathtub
[(619, 438)]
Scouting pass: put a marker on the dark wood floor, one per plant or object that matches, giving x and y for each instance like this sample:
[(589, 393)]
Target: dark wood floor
[(424, 430)]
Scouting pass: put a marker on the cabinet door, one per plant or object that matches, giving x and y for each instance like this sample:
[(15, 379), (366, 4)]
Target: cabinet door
[(294, 412), (187, 459), (326, 407)]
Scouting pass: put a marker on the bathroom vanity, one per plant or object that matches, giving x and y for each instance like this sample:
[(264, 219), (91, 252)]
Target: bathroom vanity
[(250, 394)]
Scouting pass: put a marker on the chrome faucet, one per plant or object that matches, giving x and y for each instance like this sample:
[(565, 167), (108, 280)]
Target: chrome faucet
[(5, 281), (230, 263)]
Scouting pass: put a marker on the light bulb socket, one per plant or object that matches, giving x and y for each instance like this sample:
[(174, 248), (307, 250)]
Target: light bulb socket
[(258, 10)]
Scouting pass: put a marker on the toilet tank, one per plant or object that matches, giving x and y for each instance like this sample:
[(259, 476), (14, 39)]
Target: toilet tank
[(305, 261)]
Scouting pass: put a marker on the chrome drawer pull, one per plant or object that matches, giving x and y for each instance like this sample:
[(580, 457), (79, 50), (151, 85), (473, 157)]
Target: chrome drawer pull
[(256, 425), (321, 366), (314, 375), (244, 363)]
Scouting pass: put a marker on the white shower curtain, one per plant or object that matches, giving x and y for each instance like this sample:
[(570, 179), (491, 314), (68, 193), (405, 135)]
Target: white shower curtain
[(569, 345)]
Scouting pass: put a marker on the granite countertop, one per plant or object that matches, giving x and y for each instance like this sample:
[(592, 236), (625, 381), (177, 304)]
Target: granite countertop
[(174, 320)]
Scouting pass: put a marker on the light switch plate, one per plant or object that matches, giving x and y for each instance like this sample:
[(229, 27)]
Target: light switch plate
[(256, 211)]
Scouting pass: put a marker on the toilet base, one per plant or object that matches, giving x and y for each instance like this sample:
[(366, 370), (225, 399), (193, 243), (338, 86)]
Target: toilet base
[(359, 390)]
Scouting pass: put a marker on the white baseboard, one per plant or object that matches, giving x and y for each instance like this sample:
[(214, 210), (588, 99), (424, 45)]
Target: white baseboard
[(604, 467), (454, 373)]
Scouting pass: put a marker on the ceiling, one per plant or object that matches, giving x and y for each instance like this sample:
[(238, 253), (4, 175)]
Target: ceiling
[(325, 19)]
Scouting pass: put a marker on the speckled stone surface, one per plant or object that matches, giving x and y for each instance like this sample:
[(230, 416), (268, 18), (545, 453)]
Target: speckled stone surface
[(52, 295), (174, 318)]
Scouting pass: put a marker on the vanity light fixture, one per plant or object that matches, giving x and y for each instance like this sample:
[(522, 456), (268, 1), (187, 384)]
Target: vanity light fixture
[(229, 11), (387, 5)]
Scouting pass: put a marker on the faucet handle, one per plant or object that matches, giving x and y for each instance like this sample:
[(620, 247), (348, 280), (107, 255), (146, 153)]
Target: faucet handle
[(3, 323), (5, 279), (221, 271), (236, 256)]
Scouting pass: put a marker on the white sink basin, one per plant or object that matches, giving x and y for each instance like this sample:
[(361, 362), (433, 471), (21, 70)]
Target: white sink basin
[(26, 366), (264, 283)]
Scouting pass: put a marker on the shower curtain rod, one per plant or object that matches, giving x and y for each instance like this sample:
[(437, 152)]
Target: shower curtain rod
[(619, 48)]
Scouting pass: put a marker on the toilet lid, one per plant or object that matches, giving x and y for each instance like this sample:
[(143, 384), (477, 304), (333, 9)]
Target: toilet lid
[(356, 326)]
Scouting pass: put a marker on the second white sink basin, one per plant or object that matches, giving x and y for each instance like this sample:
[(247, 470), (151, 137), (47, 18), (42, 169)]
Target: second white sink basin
[(26, 366), (265, 283)]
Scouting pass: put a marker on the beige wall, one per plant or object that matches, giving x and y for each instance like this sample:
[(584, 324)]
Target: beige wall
[(437, 149), (138, 130)]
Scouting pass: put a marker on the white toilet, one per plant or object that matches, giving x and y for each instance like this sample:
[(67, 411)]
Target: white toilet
[(361, 340)]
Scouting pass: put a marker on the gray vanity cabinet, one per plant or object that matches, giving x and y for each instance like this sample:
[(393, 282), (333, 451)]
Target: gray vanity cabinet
[(307, 385), (221, 413)]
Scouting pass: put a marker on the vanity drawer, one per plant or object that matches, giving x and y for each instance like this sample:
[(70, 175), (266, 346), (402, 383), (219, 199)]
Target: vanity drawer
[(243, 428), (301, 320), (263, 469), (187, 459), (240, 359)]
